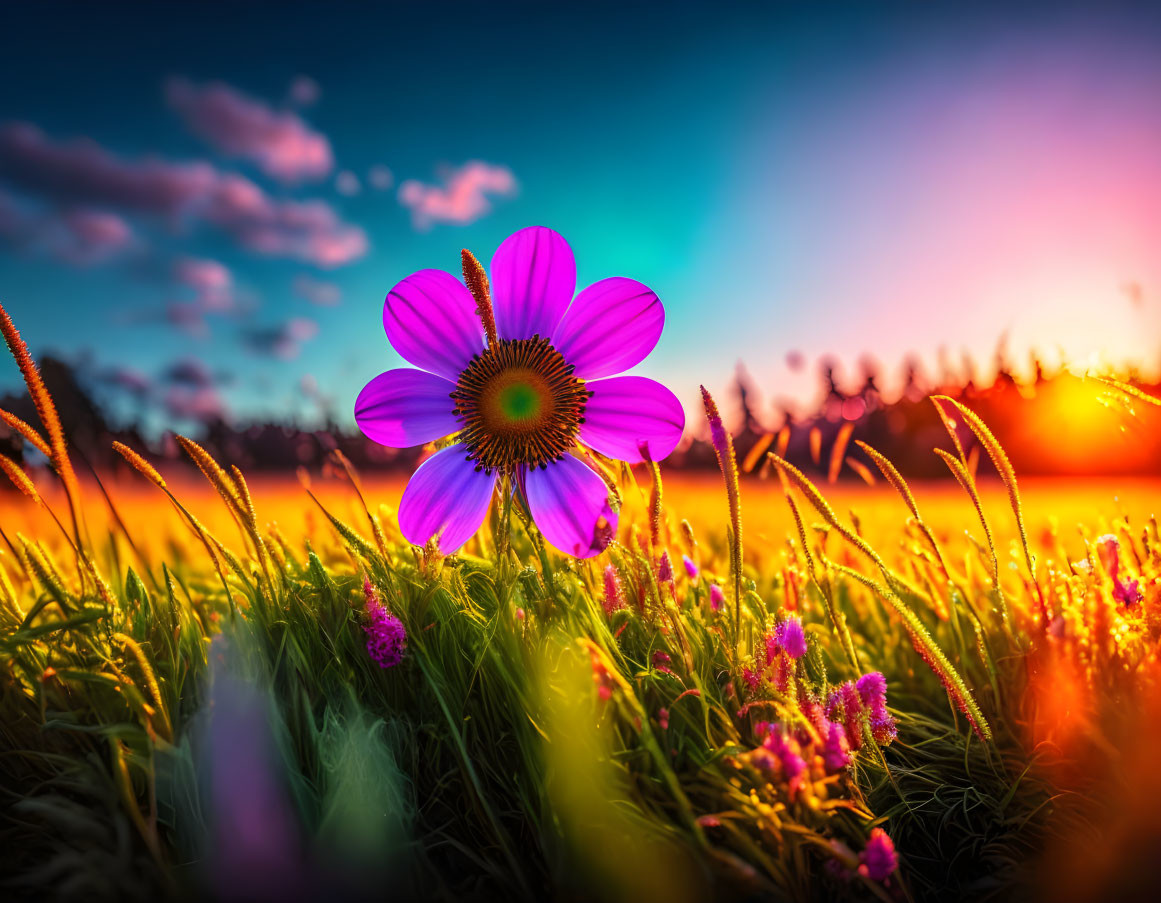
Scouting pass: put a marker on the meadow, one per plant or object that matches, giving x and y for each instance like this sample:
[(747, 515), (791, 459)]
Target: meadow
[(767, 687)]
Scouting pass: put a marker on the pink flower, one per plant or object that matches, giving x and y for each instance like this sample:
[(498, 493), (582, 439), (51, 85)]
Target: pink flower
[(521, 401), (791, 638), (878, 861), (662, 661), (614, 597), (845, 707), (872, 689), (690, 567), (786, 750), (717, 597), (835, 752), (665, 569), (386, 635), (1127, 592)]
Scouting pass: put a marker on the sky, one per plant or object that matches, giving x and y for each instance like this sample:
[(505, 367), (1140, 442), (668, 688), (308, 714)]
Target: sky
[(204, 206)]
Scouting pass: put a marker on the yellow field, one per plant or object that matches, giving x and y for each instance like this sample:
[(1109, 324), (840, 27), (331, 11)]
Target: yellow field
[(1062, 504)]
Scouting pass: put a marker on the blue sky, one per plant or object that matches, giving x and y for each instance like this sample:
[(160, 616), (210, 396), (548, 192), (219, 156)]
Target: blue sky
[(805, 178)]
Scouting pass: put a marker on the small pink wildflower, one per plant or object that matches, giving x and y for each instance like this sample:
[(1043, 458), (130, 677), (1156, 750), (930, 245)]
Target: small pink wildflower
[(1127, 592), (836, 753), (878, 861), (665, 569), (717, 597), (845, 706), (691, 568), (872, 689), (663, 718), (614, 597), (752, 678), (791, 638), (787, 751), (386, 635), (662, 661)]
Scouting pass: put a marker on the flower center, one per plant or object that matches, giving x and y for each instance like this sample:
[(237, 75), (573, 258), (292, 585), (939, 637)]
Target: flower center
[(520, 405)]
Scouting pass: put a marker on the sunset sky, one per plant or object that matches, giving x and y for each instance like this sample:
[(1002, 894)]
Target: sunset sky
[(206, 206)]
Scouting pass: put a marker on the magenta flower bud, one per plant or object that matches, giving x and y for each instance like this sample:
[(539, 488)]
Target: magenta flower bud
[(1109, 548), (752, 678), (786, 750), (872, 687), (665, 569), (386, 635), (690, 568), (773, 650), (883, 727), (614, 597), (791, 638), (717, 597), (845, 706), (835, 752), (878, 861), (1127, 592)]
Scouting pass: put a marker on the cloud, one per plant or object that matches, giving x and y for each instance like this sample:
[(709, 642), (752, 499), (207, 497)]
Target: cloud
[(211, 282), (324, 294), (310, 231), (189, 372), (304, 91), (283, 341), (380, 177), (78, 236), (127, 379), (190, 392), (81, 173), (461, 199), (282, 145)]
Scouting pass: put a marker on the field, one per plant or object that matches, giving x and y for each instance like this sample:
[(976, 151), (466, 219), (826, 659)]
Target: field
[(191, 701)]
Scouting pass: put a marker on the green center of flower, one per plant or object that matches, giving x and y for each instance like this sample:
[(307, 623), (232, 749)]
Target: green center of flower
[(519, 401), (519, 404)]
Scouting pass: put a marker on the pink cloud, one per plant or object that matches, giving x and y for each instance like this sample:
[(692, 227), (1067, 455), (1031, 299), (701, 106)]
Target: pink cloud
[(79, 236), (324, 294), (211, 281), (281, 143), (462, 198), (81, 173)]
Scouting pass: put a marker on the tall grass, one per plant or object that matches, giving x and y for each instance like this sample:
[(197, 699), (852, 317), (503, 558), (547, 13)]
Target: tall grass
[(214, 723)]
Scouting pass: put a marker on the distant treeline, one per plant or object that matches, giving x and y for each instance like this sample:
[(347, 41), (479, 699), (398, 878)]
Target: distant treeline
[(1049, 424)]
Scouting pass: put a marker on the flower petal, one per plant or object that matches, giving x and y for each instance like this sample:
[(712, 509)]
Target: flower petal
[(612, 326), (533, 279), (570, 505), (430, 319), (448, 496), (628, 412), (406, 407)]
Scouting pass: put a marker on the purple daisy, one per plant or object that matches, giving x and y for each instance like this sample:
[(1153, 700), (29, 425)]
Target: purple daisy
[(520, 404)]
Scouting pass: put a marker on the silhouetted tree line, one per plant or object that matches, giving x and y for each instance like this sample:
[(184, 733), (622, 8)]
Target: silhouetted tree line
[(905, 429)]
